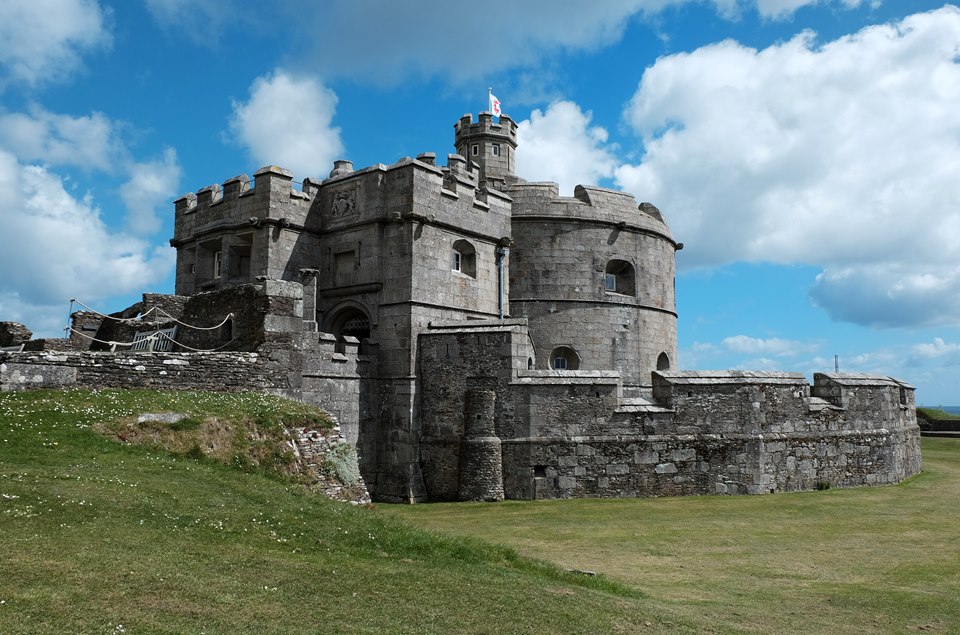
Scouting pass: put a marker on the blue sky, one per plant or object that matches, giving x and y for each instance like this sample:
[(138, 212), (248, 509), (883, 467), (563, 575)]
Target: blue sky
[(807, 152)]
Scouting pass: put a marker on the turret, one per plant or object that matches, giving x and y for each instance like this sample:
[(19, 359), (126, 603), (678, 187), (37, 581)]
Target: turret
[(492, 146)]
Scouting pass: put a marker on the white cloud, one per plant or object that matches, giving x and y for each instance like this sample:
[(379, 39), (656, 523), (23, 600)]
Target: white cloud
[(287, 122), (43, 40), (86, 141), (402, 37), (938, 349), (55, 247), (769, 346), (759, 363), (93, 143), (778, 9), (919, 292), (150, 186), (42, 320), (842, 155), (387, 41), (560, 145), (204, 21), (782, 9)]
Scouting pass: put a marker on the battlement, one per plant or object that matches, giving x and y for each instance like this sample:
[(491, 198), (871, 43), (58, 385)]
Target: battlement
[(272, 179), (242, 202), (466, 127), (419, 189), (542, 200)]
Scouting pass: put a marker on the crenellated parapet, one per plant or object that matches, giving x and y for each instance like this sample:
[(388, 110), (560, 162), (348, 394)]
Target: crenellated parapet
[(269, 198), (492, 145), (755, 402), (589, 204), (485, 124), (230, 233), (410, 190)]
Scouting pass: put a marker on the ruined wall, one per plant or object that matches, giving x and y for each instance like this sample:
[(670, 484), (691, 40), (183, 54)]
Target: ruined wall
[(270, 350), (13, 334)]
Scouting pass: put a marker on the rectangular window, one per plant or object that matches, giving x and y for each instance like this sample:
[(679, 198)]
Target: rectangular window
[(455, 260), (560, 363), (217, 264), (496, 149), (610, 282), (475, 149)]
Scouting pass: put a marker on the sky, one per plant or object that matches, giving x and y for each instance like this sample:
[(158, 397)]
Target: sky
[(806, 152)]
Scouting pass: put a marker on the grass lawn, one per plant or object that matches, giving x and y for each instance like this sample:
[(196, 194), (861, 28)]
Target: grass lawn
[(101, 537), (865, 560)]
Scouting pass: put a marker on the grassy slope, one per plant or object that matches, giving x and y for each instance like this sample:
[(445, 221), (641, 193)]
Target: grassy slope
[(866, 560), (95, 535), (98, 537)]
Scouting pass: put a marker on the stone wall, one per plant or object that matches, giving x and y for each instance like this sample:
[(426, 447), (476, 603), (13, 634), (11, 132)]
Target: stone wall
[(574, 434), (330, 461), (456, 357), (165, 371)]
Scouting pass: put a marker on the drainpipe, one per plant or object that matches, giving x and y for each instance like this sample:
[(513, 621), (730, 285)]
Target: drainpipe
[(503, 250)]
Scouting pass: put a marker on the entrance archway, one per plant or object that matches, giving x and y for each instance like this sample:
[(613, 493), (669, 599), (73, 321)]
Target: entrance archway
[(349, 320)]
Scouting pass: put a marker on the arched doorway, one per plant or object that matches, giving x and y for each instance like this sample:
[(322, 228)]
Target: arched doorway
[(349, 321)]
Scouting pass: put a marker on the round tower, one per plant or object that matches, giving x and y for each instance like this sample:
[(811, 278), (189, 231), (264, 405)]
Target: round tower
[(493, 146), (594, 276)]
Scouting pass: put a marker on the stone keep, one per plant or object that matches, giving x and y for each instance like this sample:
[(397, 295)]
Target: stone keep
[(482, 337)]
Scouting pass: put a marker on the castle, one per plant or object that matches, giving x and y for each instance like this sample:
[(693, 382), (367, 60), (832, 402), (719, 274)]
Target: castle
[(478, 336)]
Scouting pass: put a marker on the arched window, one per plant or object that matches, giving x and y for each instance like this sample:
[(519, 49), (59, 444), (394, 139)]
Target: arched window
[(564, 358), (663, 362), (463, 258), (620, 278)]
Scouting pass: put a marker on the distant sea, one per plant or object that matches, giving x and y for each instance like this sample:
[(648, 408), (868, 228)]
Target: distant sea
[(954, 410)]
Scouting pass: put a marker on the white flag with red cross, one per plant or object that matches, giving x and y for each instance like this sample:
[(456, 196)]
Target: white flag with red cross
[(494, 104)]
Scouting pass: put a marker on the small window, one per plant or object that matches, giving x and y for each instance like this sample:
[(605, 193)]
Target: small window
[(463, 258), (564, 358), (496, 149), (193, 268), (475, 149), (663, 362), (217, 264), (619, 277)]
